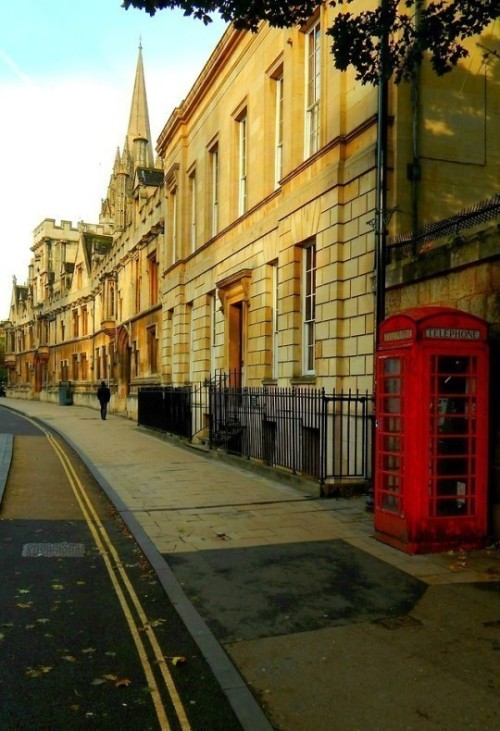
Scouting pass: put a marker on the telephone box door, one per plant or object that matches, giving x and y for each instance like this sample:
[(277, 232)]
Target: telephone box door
[(458, 439), (391, 444)]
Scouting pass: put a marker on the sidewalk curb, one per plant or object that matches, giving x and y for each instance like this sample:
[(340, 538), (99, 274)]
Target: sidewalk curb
[(6, 448), (246, 708)]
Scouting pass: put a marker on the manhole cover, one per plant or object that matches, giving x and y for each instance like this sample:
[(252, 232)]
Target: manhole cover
[(53, 550)]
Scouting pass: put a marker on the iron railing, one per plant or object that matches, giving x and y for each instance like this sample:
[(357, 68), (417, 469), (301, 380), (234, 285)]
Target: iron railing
[(406, 244), (167, 408), (325, 436)]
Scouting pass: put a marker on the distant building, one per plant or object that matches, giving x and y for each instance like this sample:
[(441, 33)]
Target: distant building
[(91, 308)]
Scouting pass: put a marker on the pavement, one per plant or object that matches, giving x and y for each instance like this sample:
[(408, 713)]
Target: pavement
[(307, 621)]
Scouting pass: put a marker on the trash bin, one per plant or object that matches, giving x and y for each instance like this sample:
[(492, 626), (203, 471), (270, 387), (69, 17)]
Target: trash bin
[(65, 393)]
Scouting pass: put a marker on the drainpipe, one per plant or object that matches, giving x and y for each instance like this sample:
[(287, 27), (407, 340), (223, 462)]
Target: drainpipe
[(381, 179), (415, 166)]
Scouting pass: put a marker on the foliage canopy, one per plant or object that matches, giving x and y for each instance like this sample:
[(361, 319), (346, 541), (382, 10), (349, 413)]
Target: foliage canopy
[(404, 29)]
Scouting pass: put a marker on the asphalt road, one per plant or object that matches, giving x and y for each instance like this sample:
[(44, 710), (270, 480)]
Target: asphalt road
[(88, 639)]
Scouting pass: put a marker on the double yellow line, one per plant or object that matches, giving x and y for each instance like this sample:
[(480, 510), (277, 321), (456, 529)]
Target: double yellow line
[(126, 596)]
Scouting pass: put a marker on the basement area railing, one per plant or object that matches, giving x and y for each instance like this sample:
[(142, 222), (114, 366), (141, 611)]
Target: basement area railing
[(325, 436)]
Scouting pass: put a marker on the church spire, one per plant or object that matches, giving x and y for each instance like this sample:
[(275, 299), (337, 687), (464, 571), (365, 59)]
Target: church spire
[(138, 139)]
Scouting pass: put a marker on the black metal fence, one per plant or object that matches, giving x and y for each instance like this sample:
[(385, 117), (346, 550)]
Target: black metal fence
[(167, 408), (406, 244), (328, 437)]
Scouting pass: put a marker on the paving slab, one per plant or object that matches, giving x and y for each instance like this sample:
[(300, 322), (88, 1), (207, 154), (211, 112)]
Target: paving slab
[(295, 589)]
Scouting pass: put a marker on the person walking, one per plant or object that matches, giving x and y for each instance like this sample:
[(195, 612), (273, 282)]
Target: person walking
[(104, 395)]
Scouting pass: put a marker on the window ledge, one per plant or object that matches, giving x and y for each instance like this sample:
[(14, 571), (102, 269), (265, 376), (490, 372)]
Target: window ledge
[(301, 380)]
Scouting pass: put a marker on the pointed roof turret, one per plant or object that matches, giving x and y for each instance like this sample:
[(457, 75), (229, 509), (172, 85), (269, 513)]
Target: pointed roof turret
[(138, 125), (116, 166)]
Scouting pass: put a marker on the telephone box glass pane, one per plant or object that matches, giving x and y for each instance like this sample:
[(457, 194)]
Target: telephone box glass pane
[(452, 481), (390, 409)]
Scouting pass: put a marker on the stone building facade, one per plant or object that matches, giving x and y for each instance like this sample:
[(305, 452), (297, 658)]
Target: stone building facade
[(249, 245), (91, 307)]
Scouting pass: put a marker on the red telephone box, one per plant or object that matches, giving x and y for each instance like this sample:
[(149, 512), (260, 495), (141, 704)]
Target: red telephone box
[(431, 462)]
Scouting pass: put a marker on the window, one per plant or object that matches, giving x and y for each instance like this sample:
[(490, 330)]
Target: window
[(313, 84), (79, 276), (192, 212), (242, 163), (191, 342), (42, 332), (137, 281), (110, 360), (214, 190), (104, 362), (152, 349), (153, 279), (278, 144), (172, 183), (74, 360), (75, 323), (110, 302), (97, 364), (50, 263), (83, 367), (135, 359), (274, 317), (213, 332), (309, 306), (170, 343), (85, 320), (173, 199), (62, 331)]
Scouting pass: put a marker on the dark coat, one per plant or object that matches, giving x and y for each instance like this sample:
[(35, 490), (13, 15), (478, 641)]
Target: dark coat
[(103, 394)]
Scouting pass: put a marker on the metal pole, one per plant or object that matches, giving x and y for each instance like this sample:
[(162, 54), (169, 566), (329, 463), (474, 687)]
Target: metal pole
[(381, 206), (381, 181)]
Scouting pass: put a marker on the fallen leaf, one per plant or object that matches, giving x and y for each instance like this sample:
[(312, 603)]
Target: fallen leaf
[(88, 650), (24, 591), (40, 670), (123, 683), (44, 620), (157, 622), (179, 660), (110, 676), (69, 658), (98, 681), (57, 587), (24, 605)]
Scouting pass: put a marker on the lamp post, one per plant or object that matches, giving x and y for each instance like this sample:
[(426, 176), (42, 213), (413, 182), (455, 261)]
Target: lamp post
[(380, 221)]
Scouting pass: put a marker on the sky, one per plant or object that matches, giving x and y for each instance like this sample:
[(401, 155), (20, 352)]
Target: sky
[(67, 71)]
